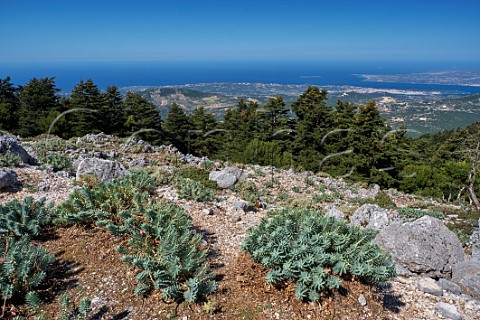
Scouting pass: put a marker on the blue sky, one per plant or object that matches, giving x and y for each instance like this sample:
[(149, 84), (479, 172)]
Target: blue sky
[(51, 30)]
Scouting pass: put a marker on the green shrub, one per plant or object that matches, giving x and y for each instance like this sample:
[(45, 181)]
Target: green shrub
[(24, 218), (58, 161), (105, 200), (197, 174), (169, 257), (191, 189), (69, 312), (10, 160), (410, 214), (383, 200), (317, 252), (23, 267)]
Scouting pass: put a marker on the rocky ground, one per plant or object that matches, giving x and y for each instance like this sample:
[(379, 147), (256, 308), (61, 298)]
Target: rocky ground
[(88, 265)]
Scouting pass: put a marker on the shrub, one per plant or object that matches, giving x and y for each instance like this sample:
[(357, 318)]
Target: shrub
[(410, 214), (10, 160), (317, 252), (191, 189), (24, 218), (68, 312), (168, 256), (23, 267), (105, 200), (199, 175), (58, 161)]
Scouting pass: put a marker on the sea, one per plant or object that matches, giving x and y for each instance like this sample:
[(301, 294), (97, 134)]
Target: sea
[(169, 73)]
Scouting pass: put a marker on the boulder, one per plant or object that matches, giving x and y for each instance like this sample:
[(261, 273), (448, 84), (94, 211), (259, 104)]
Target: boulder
[(467, 275), (227, 177), (372, 216), (8, 178), (423, 246), (10, 144), (105, 170)]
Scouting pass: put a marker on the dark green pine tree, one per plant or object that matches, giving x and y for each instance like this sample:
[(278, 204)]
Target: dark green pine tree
[(142, 119), (113, 116), (176, 126), (314, 121), (241, 127), (203, 141), (373, 154), (9, 105), (37, 99), (273, 117), (89, 102)]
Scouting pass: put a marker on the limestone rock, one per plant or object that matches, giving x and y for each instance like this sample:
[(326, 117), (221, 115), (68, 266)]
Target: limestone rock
[(332, 211), (372, 216), (8, 178), (449, 286), (448, 311), (428, 285), (467, 275), (227, 177), (10, 144), (423, 246), (105, 170)]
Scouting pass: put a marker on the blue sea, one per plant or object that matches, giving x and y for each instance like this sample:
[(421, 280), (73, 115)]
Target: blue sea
[(124, 74)]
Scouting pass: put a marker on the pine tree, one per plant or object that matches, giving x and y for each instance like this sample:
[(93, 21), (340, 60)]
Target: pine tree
[(86, 95), (9, 105), (176, 126), (201, 142), (37, 99), (142, 119), (113, 116), (313, 123)]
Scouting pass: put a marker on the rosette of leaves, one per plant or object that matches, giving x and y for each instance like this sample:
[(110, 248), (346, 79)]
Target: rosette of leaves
[(170, 258), (24, 218), (105, 200), (317, 252)]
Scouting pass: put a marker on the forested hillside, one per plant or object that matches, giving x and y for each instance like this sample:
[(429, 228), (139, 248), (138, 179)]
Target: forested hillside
[(342, 140)]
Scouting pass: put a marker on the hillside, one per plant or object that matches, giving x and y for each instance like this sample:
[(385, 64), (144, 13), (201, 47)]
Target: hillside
[(87, 264), (423, 111)]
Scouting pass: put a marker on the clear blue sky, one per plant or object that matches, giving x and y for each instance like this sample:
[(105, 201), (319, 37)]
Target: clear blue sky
[(350, 30)]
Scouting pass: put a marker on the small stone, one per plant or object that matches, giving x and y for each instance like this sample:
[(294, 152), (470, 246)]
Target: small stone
[(362, 300), (428, 285), (448, 311), (208, 211), (184, 318), (450, 286)]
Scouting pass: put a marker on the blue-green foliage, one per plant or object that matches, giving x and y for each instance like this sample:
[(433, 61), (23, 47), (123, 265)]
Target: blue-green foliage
[(317, 252), (161, 245), (9, 160), (168, 256), (24, 218), (23, 264), (410, 214), (58, 161), (105, 200), (191, 189), (68, 312)]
